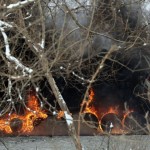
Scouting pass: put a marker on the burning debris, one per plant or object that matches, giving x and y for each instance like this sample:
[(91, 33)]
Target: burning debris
[(15, 123), (113, 121)]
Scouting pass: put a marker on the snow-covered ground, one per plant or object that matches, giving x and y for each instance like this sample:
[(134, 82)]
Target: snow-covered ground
[(65, 143)]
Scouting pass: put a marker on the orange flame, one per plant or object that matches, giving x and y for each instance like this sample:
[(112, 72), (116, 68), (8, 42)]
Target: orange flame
[(89, 107), (60, 114), (111, 110), (125, 115), (32, 113)]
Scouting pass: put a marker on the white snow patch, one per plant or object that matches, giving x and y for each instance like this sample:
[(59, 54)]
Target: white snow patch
[(61, 67), (9, 86), (9, 56), (41, 104), (42, 43), (60, 97), (20, 97), (2, 23), (19, 4), (68, 118), (54, 113), (29, 16), (101, 66), (37, 89)]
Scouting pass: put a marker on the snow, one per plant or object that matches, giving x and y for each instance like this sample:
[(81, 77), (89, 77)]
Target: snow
[(61, 67), (42, 43), (20, 97), (28, 17), (7, 52), (2, 23), (66, 143), (68, 118), (37, 89), (101, 66), (18, 4), (54, 113), (41, 104), (76, 75), (9, 86), (61, 98), (35, 48), (9, 100)]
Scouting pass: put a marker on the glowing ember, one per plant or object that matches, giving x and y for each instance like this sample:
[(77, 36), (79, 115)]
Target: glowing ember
[(32, 113), (60, 114)]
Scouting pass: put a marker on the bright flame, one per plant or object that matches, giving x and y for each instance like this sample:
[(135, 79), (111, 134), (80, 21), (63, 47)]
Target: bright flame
[(32, 113), (89, 107), (112, 110)]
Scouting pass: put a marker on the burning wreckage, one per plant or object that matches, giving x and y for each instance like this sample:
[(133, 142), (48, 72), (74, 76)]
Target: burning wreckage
[(117, 100)]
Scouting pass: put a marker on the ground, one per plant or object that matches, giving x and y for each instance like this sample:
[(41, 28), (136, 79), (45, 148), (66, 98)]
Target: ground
[(137, 142)]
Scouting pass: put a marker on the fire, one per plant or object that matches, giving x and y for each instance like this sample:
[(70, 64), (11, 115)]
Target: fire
[(32, 113), (91, 96), (112, 111), (89, 106), (60, 114), (125, 115)]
